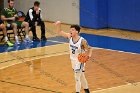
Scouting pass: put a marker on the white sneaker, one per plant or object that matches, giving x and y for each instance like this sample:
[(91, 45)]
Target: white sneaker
[(17, 42), (28, 40)]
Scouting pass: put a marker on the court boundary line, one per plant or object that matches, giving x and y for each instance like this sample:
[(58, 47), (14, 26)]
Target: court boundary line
[(117, 50), (33, 56), (34, 59), (57, 41), (40, 56), (98, 48), (7, 61), (29, 49), (68, 43), (124, 38), (68, 53), (23, 85), (37, 47), (137, 83)]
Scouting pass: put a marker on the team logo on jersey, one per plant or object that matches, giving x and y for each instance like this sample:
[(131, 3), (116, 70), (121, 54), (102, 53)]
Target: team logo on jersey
[(73, 48)]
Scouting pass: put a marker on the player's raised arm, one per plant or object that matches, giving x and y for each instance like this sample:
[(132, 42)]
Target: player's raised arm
[(59, 31)]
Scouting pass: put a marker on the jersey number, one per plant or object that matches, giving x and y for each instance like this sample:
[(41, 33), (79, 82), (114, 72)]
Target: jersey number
[(73, 51)]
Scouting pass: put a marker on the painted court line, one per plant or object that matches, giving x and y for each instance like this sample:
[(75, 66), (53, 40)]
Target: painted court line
[(40, 56), (51, 55), (116, 50), (56, 41), (28, 86), (114, 89), (98, 48)]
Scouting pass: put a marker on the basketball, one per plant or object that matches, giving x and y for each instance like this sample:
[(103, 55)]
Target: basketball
[(83, 57)]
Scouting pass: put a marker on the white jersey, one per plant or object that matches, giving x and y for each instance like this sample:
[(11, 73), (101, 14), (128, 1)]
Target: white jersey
[(75, 49)]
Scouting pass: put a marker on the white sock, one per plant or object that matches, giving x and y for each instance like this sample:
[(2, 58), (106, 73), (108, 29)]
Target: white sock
[(16, 38), (6, 38), (27, 36)]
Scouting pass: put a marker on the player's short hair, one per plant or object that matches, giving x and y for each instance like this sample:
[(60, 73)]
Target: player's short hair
[(36, 3), (10, 0), (77, 27)]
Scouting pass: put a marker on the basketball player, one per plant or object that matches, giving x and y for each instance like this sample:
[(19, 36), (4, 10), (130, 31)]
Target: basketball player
[(77, 45)]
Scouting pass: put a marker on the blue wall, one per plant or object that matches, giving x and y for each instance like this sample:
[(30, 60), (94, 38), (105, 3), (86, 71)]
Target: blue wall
[(121, 14), (93, 13), (124, 14)]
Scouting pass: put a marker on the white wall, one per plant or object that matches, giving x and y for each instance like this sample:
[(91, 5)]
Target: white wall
[(53, 10), (5, 3)]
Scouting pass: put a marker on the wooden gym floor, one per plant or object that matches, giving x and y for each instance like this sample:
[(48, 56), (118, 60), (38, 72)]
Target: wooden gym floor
[(48, 69)]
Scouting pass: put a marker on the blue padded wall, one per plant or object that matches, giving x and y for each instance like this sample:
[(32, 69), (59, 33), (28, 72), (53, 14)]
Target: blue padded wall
[(102, 13), (93, 13), (124, 14), (120, 14)]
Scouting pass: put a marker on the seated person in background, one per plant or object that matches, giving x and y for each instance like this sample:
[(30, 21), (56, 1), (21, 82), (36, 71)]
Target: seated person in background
[(34, 18), (9, 16), (3, 28)]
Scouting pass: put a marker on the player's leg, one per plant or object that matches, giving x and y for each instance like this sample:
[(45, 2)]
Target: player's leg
[(78, 81), (3, 27), (33, 28), (14, 26), (43, 37), (84, 83), (26, 26)]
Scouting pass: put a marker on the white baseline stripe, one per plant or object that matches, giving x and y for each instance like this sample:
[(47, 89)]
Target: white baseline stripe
[(51, 55), (138, 83), (100, 48), (116, 50)]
